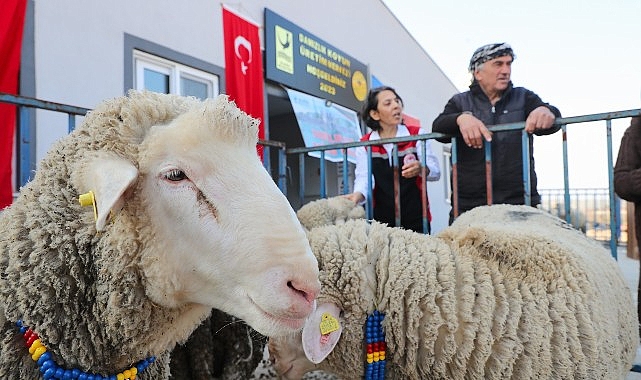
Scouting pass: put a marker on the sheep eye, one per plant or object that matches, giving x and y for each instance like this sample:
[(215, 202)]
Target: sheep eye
[(175, 175)]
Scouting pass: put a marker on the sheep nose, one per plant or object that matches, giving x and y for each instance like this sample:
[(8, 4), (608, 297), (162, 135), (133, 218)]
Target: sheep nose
[(309, 291)]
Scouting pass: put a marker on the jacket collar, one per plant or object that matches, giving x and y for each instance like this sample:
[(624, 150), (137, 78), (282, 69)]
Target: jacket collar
[(476, 90), (401, 131)]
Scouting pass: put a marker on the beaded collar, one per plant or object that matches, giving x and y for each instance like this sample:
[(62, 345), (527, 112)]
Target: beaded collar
[(375, 347), (51, 370)]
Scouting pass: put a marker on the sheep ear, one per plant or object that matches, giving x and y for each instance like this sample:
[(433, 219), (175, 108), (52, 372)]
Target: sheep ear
[(316, 344), (108, 178)]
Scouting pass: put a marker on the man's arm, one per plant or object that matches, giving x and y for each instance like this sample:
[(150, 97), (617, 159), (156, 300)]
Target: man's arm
[(540, 115), (454, 121), (446, 122)]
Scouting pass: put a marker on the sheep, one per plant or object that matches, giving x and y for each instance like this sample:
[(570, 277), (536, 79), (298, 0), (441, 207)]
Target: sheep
[(329, 211), (179, 221), (506, 292)]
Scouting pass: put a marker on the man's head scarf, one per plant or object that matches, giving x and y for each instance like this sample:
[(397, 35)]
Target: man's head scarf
[(488, 52)]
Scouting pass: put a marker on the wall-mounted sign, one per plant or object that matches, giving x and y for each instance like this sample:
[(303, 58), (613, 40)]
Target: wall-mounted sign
[(300, 60)]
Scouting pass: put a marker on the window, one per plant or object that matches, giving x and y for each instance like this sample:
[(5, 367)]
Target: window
[(161, 75)]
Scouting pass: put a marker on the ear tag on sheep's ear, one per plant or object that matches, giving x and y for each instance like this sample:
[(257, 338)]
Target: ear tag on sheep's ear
[(89, 199), (321, 332), (328, 324)]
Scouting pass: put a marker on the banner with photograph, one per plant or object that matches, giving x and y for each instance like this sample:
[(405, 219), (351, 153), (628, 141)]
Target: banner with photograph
[(322, 122)]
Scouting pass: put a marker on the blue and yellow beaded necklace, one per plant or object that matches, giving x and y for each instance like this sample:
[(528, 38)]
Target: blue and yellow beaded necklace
[(51, 370), (375, 347)]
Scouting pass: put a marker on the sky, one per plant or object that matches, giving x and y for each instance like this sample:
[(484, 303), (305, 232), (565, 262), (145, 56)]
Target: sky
[(583, 56)]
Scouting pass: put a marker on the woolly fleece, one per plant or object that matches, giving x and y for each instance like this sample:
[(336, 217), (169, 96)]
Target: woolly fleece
[(84, 292), (506, 292), (329, 211)]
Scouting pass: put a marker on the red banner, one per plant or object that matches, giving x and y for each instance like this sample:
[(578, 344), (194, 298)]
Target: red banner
[(244, 67), (12, 13)]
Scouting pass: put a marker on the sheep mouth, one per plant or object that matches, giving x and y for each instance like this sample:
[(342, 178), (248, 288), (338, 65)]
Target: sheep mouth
[(291, 324)]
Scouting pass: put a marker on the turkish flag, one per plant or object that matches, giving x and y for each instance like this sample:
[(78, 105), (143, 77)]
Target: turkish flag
[(244, 67), (12, 13)]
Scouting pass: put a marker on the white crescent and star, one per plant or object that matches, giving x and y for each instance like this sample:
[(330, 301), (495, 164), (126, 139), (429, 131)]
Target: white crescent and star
[(242, 42)]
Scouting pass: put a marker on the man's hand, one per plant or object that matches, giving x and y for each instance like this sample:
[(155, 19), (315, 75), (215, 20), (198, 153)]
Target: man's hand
[(540, 118), (473, 130)]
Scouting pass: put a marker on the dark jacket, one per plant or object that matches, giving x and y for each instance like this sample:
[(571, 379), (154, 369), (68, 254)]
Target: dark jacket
[(627, 171), (515, 105), (627, 180)]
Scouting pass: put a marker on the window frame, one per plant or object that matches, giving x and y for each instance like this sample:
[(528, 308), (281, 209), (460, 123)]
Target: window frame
[(176, 71), (163, 56)]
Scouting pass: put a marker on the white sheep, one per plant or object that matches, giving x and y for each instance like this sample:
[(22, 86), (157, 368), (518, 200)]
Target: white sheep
[(329, 211), (506, 292), (183, 222)]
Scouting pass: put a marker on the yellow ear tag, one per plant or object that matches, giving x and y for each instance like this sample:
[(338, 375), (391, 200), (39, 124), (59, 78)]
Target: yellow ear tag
[(328, 324), (88, 199)]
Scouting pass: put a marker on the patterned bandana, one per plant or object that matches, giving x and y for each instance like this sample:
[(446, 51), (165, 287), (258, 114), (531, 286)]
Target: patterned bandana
[(488, 52)]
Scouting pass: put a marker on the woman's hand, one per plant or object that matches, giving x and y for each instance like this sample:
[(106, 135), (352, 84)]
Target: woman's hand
[(411, 169), (355, 197)]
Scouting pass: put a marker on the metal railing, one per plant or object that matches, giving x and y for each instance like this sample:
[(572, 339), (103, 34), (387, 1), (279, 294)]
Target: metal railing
[(26, 148), (565, 207), (26, 162), (345, 169), (613, 214), (589, 211)]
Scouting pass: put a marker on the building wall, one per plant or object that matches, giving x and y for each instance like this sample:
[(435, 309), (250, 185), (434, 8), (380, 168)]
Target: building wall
[(79, 56)]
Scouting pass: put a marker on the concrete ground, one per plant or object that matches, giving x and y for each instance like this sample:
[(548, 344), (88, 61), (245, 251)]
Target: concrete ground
[(630, 269)]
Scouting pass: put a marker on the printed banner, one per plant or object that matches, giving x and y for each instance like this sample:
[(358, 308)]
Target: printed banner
[(12, 13), (244, 67), (325, 123)]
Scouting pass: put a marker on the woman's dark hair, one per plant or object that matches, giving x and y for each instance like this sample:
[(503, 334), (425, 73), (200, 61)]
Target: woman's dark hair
[(372, 104)]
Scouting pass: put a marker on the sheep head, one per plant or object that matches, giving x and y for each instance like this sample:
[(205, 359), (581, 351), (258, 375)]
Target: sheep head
[(214, 230), (329, 211)]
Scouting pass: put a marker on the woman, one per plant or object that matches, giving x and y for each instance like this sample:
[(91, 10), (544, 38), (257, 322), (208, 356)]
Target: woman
[(383, 114)]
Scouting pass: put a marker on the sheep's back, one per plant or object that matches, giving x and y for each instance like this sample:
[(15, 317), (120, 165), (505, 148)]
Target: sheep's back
[(513, 293), (575, 318)]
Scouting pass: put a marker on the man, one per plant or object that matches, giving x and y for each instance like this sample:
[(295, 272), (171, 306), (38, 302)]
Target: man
[(493, 100), (627, 182)]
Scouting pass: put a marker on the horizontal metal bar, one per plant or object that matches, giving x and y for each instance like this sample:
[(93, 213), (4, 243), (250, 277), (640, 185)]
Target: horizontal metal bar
[(573, 119), (495, 128), (427, 136), (272, 143), (43, 104)]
